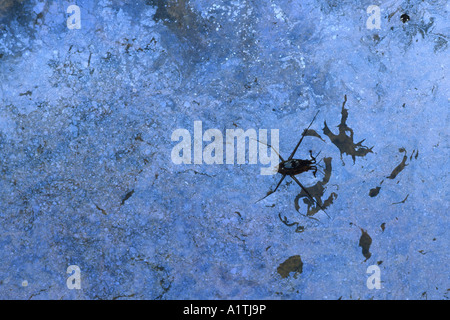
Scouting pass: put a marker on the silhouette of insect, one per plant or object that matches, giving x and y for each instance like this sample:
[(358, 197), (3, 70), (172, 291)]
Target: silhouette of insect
[(292, 167)]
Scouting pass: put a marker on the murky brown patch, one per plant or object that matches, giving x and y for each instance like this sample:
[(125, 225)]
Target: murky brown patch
[(179, 17), (7, 5), (292, 264)]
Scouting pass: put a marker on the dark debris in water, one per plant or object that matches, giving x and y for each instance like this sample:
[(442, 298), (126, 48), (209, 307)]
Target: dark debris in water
[(126, 197), (344, 140), (364, 242), (313, 133), (292, 264), (298, 228), (403, 201), (399, 168), (374, 191), (317, 192)]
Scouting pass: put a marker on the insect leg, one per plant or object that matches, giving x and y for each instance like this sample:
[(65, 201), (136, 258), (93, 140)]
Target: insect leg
[(301, 139), (315, 162), (281, 158), (313, 159), (270, 192), (309, 195), (315, 170), (281, 180)]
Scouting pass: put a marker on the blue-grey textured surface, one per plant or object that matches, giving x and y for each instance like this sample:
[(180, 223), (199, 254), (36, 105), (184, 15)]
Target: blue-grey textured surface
[(86, 176)]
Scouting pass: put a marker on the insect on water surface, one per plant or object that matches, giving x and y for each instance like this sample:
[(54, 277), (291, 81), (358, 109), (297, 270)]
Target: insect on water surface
[(292, 167)]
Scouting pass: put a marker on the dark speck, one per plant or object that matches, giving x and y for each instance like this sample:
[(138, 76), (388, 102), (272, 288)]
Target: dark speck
[(374, 192), (404, 17), (127, 196), (28, 93)]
